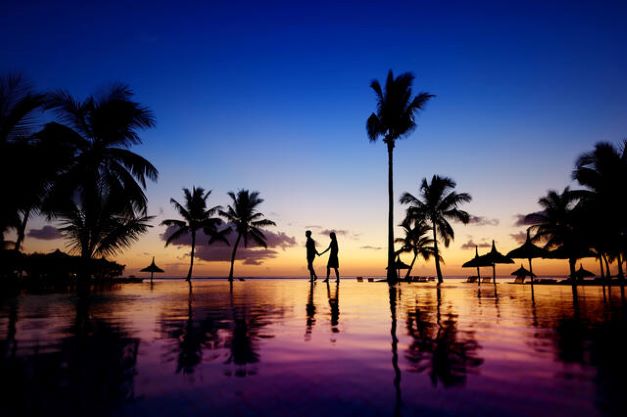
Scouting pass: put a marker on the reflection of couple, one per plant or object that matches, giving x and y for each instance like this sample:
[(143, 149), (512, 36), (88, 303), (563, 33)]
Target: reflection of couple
[(333, 261)]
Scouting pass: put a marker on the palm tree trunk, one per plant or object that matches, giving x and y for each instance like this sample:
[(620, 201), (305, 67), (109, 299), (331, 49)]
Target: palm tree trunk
[(619, 261), (608, 272), (601, 267), (21, 230), (191, 263), (531, 271), (391, 274), (438, 270), (571, 264), (411, 265), (239, 236)]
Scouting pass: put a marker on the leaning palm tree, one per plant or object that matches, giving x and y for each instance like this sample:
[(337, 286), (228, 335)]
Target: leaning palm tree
[(243, 216), (196, 217), (19, 105), (438, 204), (394, 118), (101, 130), (416, 240)]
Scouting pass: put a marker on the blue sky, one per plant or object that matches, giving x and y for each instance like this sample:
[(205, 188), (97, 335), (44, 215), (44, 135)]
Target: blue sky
[(273, 96)]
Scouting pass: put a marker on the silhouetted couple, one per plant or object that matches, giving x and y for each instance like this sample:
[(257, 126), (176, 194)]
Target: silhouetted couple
[(333, 261)]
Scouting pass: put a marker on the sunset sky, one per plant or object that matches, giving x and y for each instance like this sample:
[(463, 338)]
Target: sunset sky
[(273, 96)]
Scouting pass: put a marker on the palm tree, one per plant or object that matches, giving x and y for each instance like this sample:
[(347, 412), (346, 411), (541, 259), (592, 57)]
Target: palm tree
[(242, 214), (604, 174), (438, 204), (394, 118), (558, 224), (415, 240), (100, 227), (196, 217), (19, 105), (101, 131)]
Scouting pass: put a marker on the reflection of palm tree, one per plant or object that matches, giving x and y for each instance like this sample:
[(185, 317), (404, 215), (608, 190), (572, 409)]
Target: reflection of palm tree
[(393, 293), (310, 309), (438, 205), (394, 118), (90, 371), (243, 215), (415, 241), (440, 348), (196, 217), (197, 333)]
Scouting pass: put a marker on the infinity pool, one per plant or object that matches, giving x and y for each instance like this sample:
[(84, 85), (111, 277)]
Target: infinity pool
[(288, 348)]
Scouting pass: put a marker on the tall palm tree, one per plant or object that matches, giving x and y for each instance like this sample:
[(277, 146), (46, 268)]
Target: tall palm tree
[(99, 197), (416, 240), (394, 118), (101, 130), (558, 224), (242, 214), (604, 174), (19, 106), (196, 217), (438, 204)]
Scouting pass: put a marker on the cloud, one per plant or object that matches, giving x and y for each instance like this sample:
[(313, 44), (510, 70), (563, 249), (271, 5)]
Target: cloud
[(519, 237), (483, 221), (341, 232), (313, 226), (471, 244), (520, 220), (45, 233), (370, 247), (220, 252)]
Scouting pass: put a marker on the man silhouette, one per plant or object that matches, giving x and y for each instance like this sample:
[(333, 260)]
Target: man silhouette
[(311, 255)]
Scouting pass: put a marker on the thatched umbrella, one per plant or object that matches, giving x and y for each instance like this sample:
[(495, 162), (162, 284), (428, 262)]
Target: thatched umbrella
[(495, 257), (523, 273), (528, 251), (152, 268), (398, 265), (476, 262), (583, 273)]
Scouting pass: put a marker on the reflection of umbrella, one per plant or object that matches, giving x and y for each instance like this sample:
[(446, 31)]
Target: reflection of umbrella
[(476, 262), (495, 257), (522, 273), (152, 268), (528, 251), (583, 273)]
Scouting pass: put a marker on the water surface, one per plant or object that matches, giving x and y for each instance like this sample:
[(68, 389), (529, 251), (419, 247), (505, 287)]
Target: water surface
[(286, 348)]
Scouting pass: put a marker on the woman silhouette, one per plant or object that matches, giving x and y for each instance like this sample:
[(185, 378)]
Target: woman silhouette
[(333, 261)]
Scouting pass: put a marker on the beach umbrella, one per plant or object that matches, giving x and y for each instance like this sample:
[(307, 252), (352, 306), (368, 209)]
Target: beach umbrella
[(476, 262), (495, 257), (522, 273), (398, 265), (528, 251), (152, 268), (583, 273)]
